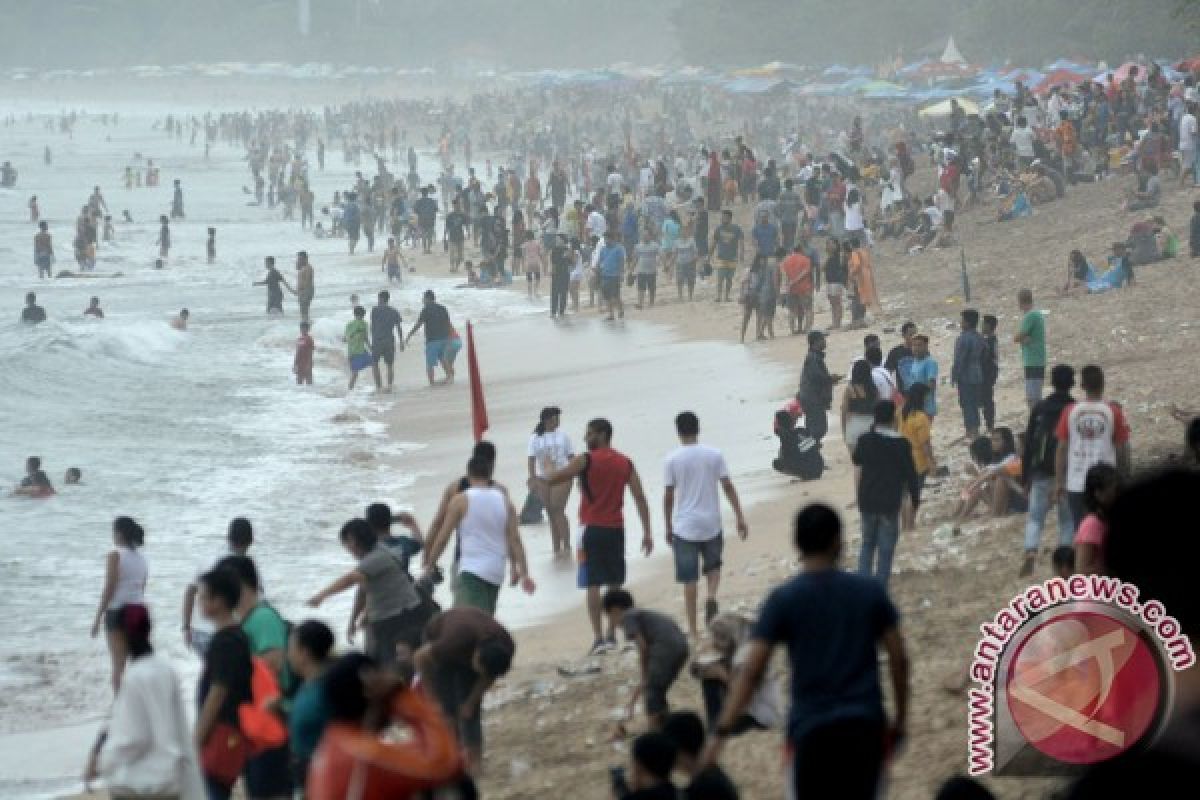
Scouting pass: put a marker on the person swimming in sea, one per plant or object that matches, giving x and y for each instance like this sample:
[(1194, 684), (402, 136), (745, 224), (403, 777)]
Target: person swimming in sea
[(180, 322), (35, 483)]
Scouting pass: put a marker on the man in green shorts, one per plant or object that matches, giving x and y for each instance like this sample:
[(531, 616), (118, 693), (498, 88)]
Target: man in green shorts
[(488, 538), (728, 252), (357, 353)]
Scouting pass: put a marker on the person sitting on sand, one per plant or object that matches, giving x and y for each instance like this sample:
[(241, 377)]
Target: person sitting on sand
[(996, 477), (1079, 272), (1148, 193), (717, 669), (1167, 240), (1119, 273), (1015, 207), (35, 483)]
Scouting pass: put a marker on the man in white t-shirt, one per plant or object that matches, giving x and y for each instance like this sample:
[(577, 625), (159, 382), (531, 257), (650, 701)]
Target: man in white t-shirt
[(596, 224), (1090, 432), (1187, 143), (1022, 141), (693, 513), (550, 450)]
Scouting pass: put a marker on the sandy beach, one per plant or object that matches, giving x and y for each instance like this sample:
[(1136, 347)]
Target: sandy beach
[(547, 732)]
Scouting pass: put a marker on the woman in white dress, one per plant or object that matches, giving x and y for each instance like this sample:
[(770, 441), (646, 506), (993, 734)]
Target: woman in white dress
[(549, 450), (125, 574)]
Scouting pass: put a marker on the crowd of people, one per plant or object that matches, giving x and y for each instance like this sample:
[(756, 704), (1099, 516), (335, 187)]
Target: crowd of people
[(281, 707)]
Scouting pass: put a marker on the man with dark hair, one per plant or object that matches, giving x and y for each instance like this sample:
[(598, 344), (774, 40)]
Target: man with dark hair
[(899, 358), (1031, 336), (885, 458), (967, 371), (435, 319), (831, 621), (685, 729), (1091, 431), (488, 538), (652, 758), (662, 652), (386, 324), (692, 511), (1143, 548), (465, 651), (32, 314), (816, 388), (1038, 466), (603, 474), (991, 371), (238, 538), (225, 681)]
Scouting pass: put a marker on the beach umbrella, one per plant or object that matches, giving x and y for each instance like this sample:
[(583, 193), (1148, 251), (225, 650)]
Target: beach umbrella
[(1030, 77), (1122, 72), (1189, 64), (943, 109), (1059, 77)]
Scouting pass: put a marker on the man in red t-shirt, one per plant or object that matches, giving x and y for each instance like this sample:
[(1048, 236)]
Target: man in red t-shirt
[(603, 475), (796, 286), (1090, 432)]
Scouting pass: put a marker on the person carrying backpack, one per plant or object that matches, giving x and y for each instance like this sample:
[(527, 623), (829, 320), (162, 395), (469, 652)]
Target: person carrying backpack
[(1038, 463)]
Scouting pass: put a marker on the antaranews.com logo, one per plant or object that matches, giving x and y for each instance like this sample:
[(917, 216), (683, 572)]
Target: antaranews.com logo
[(1073, 671)]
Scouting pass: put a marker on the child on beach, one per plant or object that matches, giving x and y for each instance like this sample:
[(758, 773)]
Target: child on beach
[(1100, 490), (662, 651), (355, 336), (303, 364)]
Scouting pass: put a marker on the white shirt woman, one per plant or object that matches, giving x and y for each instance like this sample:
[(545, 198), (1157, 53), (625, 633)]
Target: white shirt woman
[(549, 450)]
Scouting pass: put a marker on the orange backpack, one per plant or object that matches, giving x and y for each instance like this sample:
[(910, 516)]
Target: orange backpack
[(259, 722)]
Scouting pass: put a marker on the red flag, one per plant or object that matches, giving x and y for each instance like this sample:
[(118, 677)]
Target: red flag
[(479, 417)]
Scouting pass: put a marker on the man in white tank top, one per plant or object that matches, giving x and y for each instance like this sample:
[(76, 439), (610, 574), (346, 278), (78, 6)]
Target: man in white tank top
[(488, 537)]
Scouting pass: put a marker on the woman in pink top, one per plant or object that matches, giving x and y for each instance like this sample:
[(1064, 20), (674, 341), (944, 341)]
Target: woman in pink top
[(1100, 490)]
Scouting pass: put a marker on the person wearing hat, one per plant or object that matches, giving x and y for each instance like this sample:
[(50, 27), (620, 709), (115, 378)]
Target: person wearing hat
[(816, 387), (550, 449)]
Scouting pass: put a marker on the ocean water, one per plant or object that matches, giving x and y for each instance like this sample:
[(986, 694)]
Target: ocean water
[(183, 430)]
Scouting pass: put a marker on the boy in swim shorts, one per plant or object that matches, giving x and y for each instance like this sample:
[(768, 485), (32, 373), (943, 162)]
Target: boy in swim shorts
[(356, 337)]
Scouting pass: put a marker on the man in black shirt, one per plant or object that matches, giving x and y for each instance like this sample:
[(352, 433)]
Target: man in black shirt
[(816, 387), (426, 210), (897, 355), (685, 729), (885, 458), (32, 314), (1037, 464), (385, 320), (225, 681), (439, 347)]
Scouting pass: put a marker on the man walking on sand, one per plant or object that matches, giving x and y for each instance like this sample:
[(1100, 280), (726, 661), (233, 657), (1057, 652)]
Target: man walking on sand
[(438, 350), (603, 475), (967, 371), (692, 510), (1090, 431), (832, 623), (488, 538)]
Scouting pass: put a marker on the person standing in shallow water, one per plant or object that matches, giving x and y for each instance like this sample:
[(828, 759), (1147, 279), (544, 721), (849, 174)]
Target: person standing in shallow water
[(273, 280), (125, 576), (550, 449), (177, 202), (305, 284)]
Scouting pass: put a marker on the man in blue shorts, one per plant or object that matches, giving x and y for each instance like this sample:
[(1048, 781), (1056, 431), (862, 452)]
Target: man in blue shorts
[(612, 271), (692, 509), (438, 347)]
